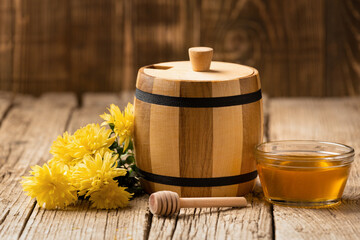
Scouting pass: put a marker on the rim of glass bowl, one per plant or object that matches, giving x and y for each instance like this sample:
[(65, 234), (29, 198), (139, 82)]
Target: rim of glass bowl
[(346, 157)]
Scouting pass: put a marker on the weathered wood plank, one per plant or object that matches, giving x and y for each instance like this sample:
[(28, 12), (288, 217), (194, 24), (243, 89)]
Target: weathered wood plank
[(156, 41), (12, 131), (105, 99), (91, 44), (342, 47), (62, 46), (252, 222), (82, 221), (40, 48), (336, 120), (282, 39), (26, 135), (301, 47), (6, 100), (6, 44)]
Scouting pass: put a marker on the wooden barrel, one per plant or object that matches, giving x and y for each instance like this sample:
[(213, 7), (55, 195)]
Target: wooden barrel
[(195, 132)]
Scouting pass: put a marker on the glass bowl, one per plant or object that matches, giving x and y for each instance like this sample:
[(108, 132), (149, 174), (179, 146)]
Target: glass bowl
[(303, 173)]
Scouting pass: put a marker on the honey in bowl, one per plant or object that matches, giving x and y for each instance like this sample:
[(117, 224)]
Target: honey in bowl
[(303, 173)]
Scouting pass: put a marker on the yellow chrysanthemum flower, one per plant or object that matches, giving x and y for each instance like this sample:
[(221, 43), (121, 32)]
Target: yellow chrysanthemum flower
[(50, 186), (61, 147), (89, 140), (123, 123), (60, 163), (68, 165), (92, 174), (115, 113), (102, 152), (110, 196)]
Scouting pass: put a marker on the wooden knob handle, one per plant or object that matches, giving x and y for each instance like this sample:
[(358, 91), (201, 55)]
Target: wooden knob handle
[(200, 58), (166, 203)]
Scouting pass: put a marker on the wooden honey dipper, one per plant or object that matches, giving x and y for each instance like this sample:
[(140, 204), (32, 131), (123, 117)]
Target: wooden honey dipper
[(166, 203)]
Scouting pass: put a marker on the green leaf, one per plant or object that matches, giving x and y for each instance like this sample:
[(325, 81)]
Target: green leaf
[(130, 160), (132, 173), (120, 149), (134, 168), (131, 145), (113, 146)]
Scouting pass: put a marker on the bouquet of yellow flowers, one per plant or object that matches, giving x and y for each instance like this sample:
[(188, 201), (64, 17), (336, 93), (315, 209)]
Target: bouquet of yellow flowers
[(96, 163)]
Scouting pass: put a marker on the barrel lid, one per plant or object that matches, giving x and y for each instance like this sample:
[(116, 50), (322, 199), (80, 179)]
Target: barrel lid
[(199, 68)]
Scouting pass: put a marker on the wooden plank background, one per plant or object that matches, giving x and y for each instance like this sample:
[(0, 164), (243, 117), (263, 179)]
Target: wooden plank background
[(301, 48)]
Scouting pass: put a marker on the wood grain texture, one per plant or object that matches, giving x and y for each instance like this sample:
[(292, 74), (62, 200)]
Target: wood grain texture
[(27, 133), (230, 133), (6, 44), (181, 71), (253, 122), (6, 100), (342, 47), (81, 221), (166, 134), (336, 120), (62, 46), (40, 50), (196, 139), (282, 39), (91, 44), (142, 131), (301, 48), (164, 30), (252, 222)]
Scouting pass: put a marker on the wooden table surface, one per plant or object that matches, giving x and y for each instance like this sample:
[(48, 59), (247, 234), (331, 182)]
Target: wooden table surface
[(29, 125)]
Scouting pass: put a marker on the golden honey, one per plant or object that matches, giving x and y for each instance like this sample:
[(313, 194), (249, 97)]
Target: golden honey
[(303, 173)]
